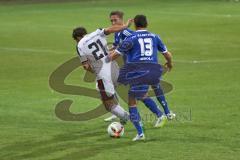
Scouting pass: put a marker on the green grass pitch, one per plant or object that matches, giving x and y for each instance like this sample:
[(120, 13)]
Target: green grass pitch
[(203, 35)]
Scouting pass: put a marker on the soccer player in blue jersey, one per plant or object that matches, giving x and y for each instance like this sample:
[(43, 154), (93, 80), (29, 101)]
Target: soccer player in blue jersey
[(116, 18), (141, 68)]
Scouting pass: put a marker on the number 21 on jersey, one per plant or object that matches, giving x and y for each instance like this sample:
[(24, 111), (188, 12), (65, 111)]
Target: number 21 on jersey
[(99, 51)]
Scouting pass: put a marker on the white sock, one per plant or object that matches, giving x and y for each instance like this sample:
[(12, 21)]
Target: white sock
[(119, 112)]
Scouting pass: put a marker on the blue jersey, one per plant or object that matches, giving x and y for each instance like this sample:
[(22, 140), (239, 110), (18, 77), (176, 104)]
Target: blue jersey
[(142, 46), (120, 36)]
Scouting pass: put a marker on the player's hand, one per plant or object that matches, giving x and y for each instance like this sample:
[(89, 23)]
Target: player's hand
[(129, 22), (169, 66), (113, 55), (87, 66)]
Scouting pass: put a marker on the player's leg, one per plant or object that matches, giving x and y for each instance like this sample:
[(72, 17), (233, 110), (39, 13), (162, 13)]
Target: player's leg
[(114, 69), (113, 106), (152, 106), (162, 100), (111, 118), (109, 100), (135, 119), (136, 93)]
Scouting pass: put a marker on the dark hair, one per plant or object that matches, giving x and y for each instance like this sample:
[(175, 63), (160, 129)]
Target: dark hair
[(140, 21), (118, 13), (79, 32)]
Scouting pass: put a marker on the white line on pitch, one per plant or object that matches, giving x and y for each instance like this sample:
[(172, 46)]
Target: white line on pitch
[(65, 52), (207, 61), (32, 50), (200, 14)]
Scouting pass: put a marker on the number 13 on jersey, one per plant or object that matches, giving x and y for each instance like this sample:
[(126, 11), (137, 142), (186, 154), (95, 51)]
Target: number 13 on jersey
[(146, 46)]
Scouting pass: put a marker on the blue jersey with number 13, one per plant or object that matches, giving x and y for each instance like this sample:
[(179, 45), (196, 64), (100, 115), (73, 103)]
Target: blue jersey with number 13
[(142, 47)]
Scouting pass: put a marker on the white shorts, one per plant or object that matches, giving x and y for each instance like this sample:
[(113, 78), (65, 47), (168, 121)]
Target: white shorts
[(107, 80)]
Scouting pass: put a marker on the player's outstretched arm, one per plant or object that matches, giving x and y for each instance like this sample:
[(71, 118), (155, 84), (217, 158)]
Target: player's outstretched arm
[(117, 28), (168, 57)]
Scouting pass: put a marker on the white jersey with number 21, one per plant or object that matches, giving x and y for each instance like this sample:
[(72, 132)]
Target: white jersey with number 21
[(93, 48)]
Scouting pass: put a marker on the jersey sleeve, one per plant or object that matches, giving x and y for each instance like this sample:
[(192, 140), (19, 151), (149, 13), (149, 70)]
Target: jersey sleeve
[(125, 46), (126, 33), (100, 31), (161, 47), (81, 54)]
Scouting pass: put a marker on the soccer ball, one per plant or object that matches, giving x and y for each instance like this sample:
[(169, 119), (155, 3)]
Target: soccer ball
[(115, 130)]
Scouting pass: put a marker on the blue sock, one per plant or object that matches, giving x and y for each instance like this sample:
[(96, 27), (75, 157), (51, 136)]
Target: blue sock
[(135, 119), (152, 106), (161, 98)]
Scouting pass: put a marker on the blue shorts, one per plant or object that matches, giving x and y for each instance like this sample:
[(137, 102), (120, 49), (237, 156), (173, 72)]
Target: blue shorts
[(140, 74), (138, 91)]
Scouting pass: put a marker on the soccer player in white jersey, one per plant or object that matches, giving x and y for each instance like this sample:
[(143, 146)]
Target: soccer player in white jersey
[(92, 50)]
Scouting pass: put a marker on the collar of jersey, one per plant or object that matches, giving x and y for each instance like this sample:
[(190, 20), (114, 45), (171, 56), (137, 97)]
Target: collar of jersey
[(141, 30)]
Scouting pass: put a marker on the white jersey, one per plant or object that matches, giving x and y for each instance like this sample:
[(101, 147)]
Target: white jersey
[(93, 45), (93, 48)]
